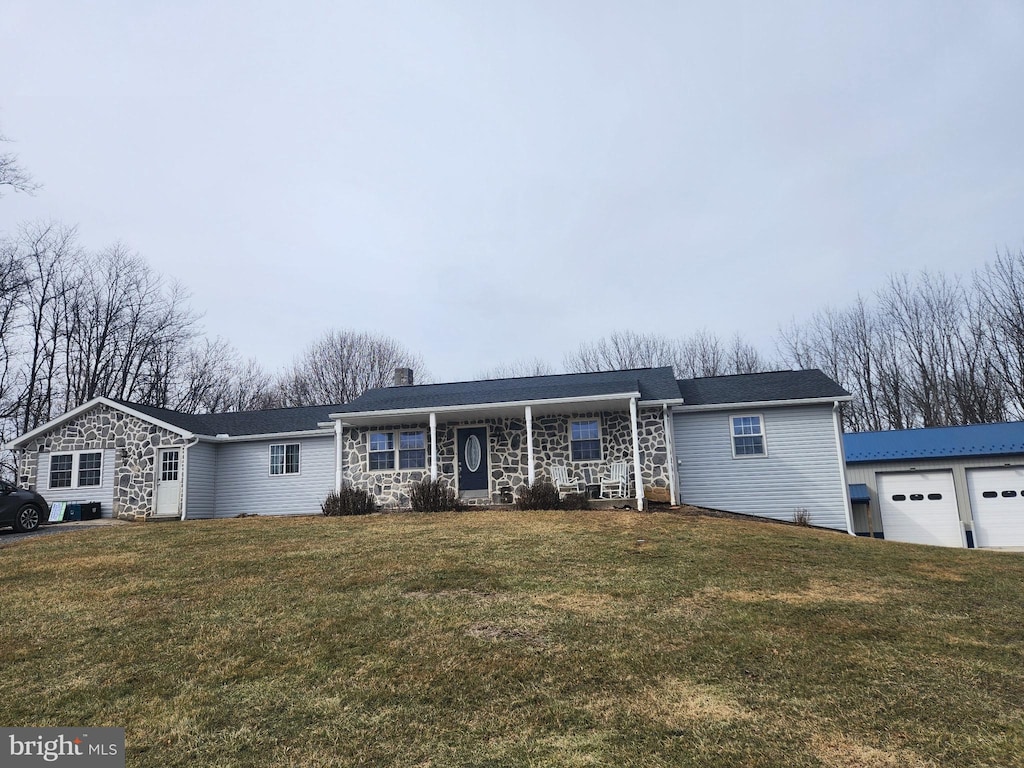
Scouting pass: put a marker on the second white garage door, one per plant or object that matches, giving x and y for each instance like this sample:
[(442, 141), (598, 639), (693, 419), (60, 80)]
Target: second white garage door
[(920, 507), (997, 504)]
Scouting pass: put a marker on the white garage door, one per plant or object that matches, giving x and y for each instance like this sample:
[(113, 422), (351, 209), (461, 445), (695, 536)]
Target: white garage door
[(997, 504), (920, 507)]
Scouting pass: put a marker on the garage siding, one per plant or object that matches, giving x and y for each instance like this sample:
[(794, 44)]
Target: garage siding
[(245, 486), (103, 493), (801, 471), (201, 477)]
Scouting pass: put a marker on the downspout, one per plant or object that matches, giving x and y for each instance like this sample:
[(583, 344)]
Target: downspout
[(670, 454), (842, 468), (184, 478), (433, 447), (637, 479), (531, 472), (337, 456)]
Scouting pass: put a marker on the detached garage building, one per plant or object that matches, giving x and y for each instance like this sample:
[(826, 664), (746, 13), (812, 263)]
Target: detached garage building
[(946, 486)]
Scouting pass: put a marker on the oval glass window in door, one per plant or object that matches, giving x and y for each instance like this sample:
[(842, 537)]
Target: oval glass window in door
[(473, 453)]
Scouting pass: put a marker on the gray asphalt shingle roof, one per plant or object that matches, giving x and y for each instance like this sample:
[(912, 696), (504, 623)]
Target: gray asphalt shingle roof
[(240, 423), (759, 387), (651, 383)]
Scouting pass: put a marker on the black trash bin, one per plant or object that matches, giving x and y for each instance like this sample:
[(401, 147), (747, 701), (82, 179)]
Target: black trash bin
[(91, 510)]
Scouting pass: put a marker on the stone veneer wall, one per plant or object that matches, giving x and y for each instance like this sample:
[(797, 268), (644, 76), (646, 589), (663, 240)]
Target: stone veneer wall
[(103, 427), (507, 454)]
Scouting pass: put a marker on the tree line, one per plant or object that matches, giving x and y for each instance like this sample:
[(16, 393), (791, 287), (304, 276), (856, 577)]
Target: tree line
[(924, 350), (75, 325), (927, 350)]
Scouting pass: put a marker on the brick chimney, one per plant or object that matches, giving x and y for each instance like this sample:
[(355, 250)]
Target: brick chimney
[(403, 377)]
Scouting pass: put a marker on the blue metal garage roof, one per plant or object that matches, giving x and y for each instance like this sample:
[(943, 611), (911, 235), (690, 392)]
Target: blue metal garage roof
[(935, 442)]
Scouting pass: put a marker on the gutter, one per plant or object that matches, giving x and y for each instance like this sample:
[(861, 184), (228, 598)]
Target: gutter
[(763, 404), (226, 438)]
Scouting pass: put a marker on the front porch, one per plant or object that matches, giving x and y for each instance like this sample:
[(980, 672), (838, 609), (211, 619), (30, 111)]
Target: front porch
[(488, 454)]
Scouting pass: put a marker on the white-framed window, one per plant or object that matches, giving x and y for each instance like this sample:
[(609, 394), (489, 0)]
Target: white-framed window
[(382, 450), (747, 435), (284, 459), (79, 469), (412, 450), (585, 440), (409, 451)]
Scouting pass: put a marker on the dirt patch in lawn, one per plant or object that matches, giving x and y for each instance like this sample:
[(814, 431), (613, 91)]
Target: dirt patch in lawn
[(839, 752), (497, 633), (932, 571), (577, 602), (814, 592), (460, 595), (674, 703)]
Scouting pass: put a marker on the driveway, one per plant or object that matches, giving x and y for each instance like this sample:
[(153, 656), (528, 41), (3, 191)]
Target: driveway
[(9, 536)]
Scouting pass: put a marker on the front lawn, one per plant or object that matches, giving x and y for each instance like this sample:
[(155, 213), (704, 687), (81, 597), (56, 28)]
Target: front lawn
[(493, 639)]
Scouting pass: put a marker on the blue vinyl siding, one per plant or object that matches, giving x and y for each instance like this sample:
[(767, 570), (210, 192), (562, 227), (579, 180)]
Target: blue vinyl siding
[(245, 486), (801, 468)]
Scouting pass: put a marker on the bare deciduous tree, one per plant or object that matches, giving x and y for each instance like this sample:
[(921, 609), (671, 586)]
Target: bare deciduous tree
[(518, 369), (702, 354), (930, 350), (341, 365), (621, 350), (214, 379), (12, 175)]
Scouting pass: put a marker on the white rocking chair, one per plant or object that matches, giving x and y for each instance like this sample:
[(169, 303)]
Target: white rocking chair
[(615, 483), (565, 486)]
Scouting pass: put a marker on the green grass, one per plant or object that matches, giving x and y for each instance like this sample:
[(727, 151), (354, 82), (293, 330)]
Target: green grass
[(487, 639)]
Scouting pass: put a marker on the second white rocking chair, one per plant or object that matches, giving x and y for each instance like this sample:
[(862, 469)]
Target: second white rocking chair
[(615, 483)]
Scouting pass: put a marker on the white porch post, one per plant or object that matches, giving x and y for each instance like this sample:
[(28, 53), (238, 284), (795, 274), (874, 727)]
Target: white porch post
[(531, 472), (670, 454), (433, 446), (637, 479), (338, 456)]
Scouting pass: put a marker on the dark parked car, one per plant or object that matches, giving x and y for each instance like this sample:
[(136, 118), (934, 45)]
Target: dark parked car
[(24, 510)]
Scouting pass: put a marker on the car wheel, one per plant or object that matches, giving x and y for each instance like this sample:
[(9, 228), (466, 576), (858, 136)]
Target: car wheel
[(27, 519)]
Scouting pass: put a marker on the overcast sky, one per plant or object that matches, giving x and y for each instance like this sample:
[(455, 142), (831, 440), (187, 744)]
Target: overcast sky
[(486, 181)]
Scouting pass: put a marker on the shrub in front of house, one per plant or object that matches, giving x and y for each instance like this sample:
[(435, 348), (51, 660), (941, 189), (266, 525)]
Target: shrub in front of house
[(540, 495), (349, 501), (428, 495), (574, 501)]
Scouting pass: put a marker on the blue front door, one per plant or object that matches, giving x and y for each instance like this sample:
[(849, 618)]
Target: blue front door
[(472, 446)]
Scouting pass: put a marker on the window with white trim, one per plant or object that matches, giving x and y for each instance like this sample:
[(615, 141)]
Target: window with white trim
[(284, 459), (382, 450), (83, 469), (585, 440), (408, 452), (747, 436), (412, 450)]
